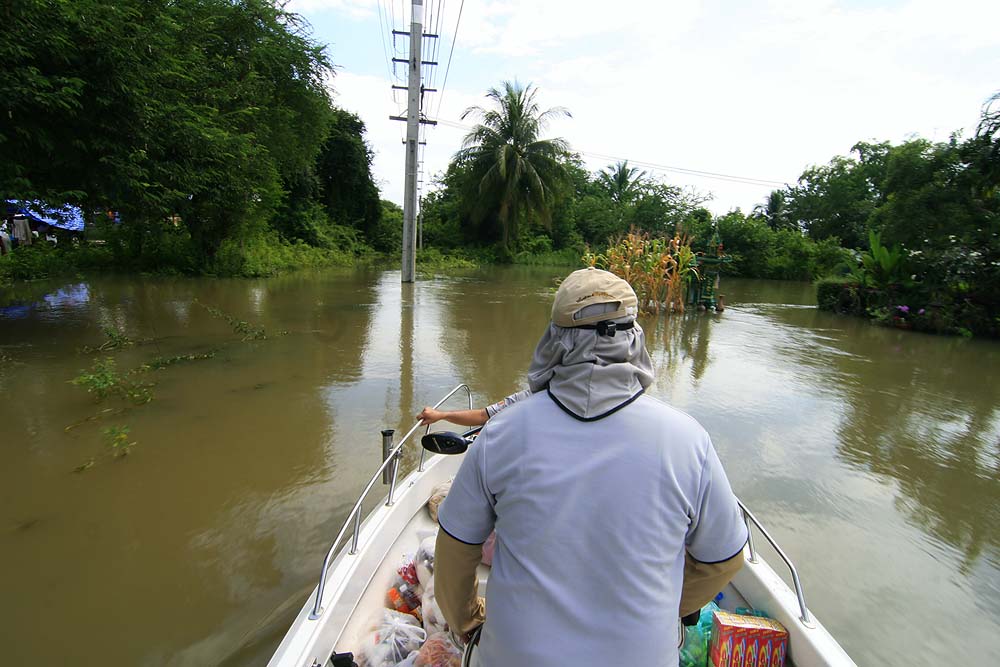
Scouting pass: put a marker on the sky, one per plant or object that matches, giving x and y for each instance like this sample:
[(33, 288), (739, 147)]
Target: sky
[(758, 91)]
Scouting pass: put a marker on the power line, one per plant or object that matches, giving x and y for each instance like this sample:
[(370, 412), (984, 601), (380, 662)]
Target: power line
[(451, 52), (436, 44), (750, 180), (731, 178), (390, 67)]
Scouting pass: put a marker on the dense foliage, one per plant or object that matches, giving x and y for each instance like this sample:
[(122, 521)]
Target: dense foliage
[(929, 223), (213, 113)]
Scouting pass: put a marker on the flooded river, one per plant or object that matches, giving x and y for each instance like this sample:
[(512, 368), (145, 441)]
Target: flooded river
[(872, 454)]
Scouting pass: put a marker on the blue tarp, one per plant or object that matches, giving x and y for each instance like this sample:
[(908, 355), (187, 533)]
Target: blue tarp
[(65, 217)]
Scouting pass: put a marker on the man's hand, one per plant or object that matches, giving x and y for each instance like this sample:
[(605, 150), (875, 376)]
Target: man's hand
[(429, 415)]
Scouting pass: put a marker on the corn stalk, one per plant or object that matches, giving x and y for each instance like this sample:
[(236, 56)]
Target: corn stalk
[(658, 269)]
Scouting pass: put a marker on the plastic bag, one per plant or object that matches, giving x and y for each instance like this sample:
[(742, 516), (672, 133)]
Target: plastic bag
[(439, 651), (694, 651), (424, 560), (437, 497), (408, 571), (433, 618), (488, 546), (396, 635), (404, 597), (410, 659)]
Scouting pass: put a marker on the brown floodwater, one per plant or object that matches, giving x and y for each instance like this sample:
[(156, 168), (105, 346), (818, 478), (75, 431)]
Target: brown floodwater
[(872, 454)]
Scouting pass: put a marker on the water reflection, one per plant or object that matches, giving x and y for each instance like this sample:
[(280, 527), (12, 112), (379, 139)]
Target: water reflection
[(493, 326), (917, 409), (679, 343)]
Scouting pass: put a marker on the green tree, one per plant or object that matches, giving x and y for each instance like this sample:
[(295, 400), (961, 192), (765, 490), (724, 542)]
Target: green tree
[(774, 210), (837, 200), (512, 170), (213, 109), (346, 188), (622, 182), (661, 208)]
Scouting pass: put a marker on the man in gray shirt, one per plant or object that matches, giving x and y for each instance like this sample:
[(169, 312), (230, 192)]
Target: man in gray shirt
[(612, 511)]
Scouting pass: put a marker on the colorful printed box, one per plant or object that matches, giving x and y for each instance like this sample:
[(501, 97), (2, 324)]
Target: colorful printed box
[(747, 641)]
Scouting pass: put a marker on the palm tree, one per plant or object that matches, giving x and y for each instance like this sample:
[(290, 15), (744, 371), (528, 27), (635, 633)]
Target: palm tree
[(774, 210), (622, 182), (513, 171)]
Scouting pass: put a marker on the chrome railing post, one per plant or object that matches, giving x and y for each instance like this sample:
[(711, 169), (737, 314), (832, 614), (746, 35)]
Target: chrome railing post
[(386, 449), (357, 531), (394, 475), (753, 551), (420, 467)]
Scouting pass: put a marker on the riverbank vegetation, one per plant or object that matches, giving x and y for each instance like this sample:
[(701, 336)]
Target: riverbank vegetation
[(208, 128), (923, 220)]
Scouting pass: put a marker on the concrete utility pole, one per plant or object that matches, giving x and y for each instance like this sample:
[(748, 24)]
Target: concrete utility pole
[(415, 94), (412, 137)]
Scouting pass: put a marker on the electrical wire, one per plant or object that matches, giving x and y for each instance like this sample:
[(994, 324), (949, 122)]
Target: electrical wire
[(451, 53), (731, 178)]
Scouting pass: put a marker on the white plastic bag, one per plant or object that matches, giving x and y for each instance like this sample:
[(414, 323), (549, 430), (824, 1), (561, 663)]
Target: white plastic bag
[(439, 651), (424, 560), (396, 635), (433, 618), (410, 659)]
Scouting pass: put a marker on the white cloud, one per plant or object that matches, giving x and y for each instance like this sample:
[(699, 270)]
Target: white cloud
[(759, 90), (530, 27), (353, 8)]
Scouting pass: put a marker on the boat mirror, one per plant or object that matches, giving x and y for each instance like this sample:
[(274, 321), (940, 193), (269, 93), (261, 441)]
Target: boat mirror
[(444, 442)]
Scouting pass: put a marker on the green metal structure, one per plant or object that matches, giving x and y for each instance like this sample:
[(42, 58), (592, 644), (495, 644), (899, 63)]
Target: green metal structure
[(704, 290)]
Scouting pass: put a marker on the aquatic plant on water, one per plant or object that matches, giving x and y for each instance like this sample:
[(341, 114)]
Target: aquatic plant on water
[(115, 340), (118, 441), (246, 330), (658, 269), (103, 380)]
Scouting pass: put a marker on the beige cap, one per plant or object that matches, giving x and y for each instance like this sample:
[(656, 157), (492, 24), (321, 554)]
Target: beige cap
[(588, 287)]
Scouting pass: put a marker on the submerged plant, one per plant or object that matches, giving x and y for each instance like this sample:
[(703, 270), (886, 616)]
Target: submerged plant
[(160, 363), (118, 441), (115, 340), (103, 380), (246, 330)]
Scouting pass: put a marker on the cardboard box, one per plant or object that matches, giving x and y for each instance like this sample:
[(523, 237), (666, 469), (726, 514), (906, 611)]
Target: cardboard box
[(747, 641)]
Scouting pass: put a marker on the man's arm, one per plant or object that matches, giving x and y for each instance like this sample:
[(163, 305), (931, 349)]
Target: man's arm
[(715, 539), (478, 417), (703, 581), (455, 585), (429, 415), (466, 518)]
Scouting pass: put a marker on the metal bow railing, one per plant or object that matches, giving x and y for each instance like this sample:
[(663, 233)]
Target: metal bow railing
[(749, 518), (389, 463)]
